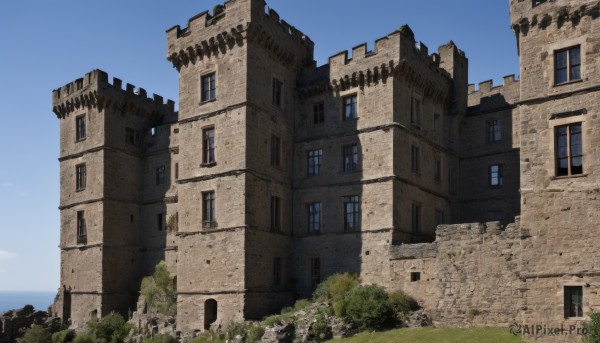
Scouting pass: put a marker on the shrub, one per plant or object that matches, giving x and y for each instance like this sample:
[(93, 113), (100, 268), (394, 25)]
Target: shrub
[(64, 336), (173, 222), (248, 333), (209, 337), (255, 333), (334, 289), (369, 308), (402, 304), (320, 331), (593, 328), (83, 338), (301, 304), (110, 329), (162, 338), (159, 291), (36, 334)]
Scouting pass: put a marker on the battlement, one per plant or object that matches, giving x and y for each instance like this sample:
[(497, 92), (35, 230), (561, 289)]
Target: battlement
[(487, 86), (95, 86), (390, 44), (229, 24), (525, 16)]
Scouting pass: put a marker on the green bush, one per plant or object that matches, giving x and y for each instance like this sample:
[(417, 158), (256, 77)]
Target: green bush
[(402, 304), (83, 338), (162, 338), (369, 308), (159, 291), (249, 333), (64, 336), (255, 333), (301, 304), (593, 327), (36, 334), (209, 337), (110, 329), (334, 289), (320, 331)]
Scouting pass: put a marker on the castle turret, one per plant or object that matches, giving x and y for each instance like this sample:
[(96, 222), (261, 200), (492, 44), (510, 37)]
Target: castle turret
[(103, 132)]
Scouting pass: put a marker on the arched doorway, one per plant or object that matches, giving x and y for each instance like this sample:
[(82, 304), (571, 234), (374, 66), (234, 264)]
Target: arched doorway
[(210, 313)]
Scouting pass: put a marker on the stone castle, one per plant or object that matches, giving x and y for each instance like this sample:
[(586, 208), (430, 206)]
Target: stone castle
[(276, 173)]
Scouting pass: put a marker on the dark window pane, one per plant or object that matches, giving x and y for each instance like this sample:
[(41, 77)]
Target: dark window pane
[(575, 73), (575, 56), (561, 76), (561, 59)]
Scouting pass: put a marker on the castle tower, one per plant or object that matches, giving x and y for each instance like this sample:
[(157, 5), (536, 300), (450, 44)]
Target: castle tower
[(238, 69), (560, 163), (102, 134)]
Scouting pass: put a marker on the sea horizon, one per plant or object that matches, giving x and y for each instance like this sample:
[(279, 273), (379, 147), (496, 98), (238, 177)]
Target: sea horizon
[(11, 300)]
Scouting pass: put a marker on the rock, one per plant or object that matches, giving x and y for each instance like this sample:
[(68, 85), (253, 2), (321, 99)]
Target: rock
[(279, 334), (418, 319)]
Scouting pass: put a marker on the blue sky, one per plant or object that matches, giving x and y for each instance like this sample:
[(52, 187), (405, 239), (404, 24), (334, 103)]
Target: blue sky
[(46, 44)]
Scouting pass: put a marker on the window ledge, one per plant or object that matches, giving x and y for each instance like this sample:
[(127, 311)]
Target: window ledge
[(208, 165), (80, 140), (80, 190), (568, 83), (207, 101), (568, 177)]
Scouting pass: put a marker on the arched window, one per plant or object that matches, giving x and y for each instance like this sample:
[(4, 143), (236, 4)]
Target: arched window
[(210, 313)]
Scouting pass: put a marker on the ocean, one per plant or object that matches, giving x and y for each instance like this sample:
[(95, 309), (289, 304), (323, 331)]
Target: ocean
[(15, 300)]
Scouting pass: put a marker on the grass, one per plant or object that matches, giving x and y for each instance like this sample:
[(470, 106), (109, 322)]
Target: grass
[(435, 335)]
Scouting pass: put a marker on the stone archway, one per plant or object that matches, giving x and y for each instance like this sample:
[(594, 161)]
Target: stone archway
[(210, 313)]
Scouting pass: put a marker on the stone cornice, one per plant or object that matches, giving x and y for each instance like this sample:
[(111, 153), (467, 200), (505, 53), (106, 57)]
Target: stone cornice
[(401, 71), (218, 44), (556, 15)]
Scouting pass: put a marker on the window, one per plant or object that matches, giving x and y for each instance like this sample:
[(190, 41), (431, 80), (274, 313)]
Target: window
[(160, 218), (277, 271), (209, 87), (439, 217), (495, 172), (493, 131), (208, 146), (275, 150), (415, 276), (351, 213), (131, 136), (537, 2), (350, 107), (569, 150), (437, 171), (80, 177), (160, 175), (567, 66), (350, 153), (153, 132), (314, 217), (314, 162), (415, 111), (277, 92), (319, 113), (315, 272), (208, 209), (416, 218), (573, 301), (80, 124), (176, 171), (275, 223), (81, 229), (415, 159)]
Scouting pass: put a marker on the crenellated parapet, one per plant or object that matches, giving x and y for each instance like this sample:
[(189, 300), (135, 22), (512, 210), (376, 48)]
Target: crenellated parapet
[(394, 56), (509, 91), (95, 90), (230, 26), (525, 16)]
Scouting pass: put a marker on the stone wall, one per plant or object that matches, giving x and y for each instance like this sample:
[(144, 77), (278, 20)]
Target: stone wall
[(468, 277)]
